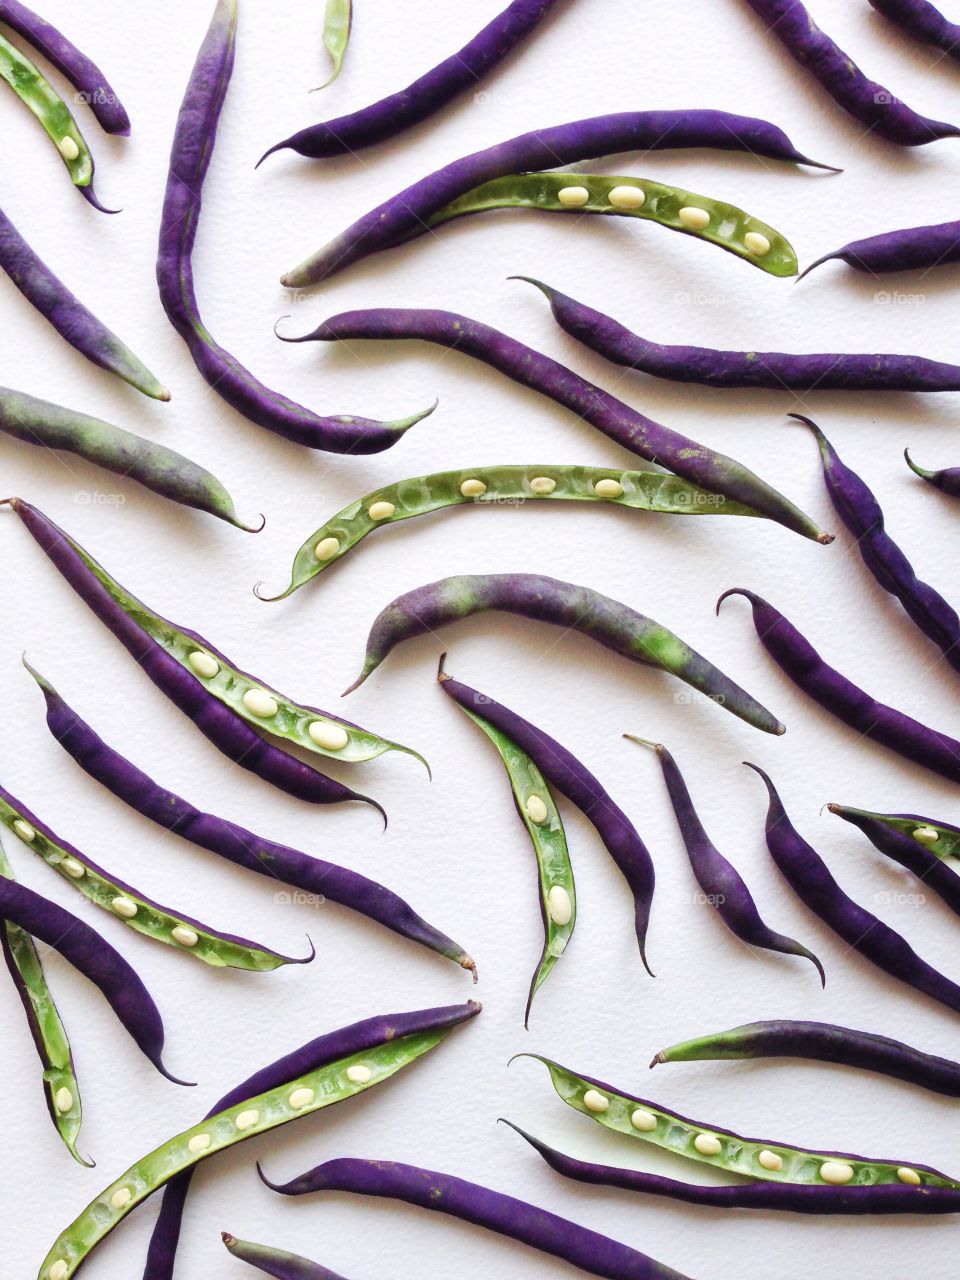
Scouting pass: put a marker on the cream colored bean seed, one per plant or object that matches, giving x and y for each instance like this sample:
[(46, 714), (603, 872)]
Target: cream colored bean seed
[(573, 197), (24, 830), (202, 665), (124, 907), (708, 1144), (542, 485), (68, 148), (199, 1142), (326, 548), (627, 197), (184, 936), (57, 1270), (74, 869), (925, 835), (694, 218), (332, 737), (770, 1160), (756, 242), (595, 1101), (63, 1100), (473, 488), (260, 703), (536, 809), (909, 1176), (559, 906), (381, 510), (301, 1098), (643, 1121), (608, 489), (246, 1120), (359, 1073), (836, 1173), (120, 1199)]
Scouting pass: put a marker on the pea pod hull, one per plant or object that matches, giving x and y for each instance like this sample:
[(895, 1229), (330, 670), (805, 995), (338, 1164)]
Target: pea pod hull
[(909, 249), (924, 22), (277, 1262)]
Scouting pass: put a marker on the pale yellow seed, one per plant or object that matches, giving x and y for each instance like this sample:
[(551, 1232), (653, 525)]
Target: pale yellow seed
[(120, 1199), (708, 1144), (536, 809), (836, 1173), (925, 835), (573, 197), (559, 906), (542, 485), (695, 219), (473, 488), (260, 703), (627, 197), (74, 869), (643, 1121), (24, 830), (202, 665), (756, 242), (63, 1100), (301, 1098), (124, 907), (246, 1120), (595, 1101), (57, 1270), (326, 548), (608, 489), (68, 148), (381, 510), (184, 936), (770, 1160), (909, 1176), (329, 736), (359, 1073), (199, 1142)]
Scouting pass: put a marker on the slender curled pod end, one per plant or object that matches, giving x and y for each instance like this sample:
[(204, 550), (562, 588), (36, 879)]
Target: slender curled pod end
[(90, 196), (310, 957), (917, 470), (735, 591), (187, 1084), (280, 146), (251, 528), (274, 1186), (827, 257), (270, 599)]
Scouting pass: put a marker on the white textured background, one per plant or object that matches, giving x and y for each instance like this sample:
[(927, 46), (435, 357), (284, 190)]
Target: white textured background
[(455, 848)]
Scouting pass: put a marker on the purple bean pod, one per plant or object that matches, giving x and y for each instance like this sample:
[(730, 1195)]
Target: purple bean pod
[(81, 71), (493, 1210), (193, 146), (618, 421), (276, 1262), (234, 843), (327, 1048), (909, 249), (860, 511), (874, 106), (574, 780), (772, 370), (755, 1195), (822, 1042), (946, 480), (798, 659), (862, 931), (931, 871), (96, 959), (406, 215), (721, 882), (397, 112), (237, 740), (924, 22)]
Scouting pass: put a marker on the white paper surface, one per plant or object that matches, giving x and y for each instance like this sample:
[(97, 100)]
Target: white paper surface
[(454, 848)]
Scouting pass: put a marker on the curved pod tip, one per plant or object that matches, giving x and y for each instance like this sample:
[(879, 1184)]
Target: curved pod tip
[(917, 470), (827, 257)]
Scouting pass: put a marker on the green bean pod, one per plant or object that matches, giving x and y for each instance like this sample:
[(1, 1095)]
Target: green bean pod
[(499, 486), (707, 219), (539, 814), (130, 907), (49, 1034), (938, 838), (337, 24), (722, 1149), (38, 94), (330, 1084)]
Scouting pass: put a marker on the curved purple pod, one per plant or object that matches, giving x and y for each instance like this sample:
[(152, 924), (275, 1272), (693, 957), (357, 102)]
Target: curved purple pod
[(516, 1219), (426, 96), (228, 733), (752, 1195), (574, 780), (96, 959), (405, 216), (910, 249), (947, 480), (867, 101), (266, 857), (276, 1262), (860, 511), (822, 1042), (723, 886), (192, 150), (931, 871), (772, 370), (797, 658), (618, 421), (862, 931), (81, 71), (924, 22), (327, 1048)]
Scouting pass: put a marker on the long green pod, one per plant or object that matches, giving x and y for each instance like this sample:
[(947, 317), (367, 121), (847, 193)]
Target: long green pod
[(337, 24), (705, 218), (336, 1082), (498, 486), (140, 914), (46, 1026), (759, 1160), (39, 96), (539, 814)]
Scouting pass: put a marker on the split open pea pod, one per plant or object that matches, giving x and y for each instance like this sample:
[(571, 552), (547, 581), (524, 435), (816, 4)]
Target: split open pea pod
[(938, 838)]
